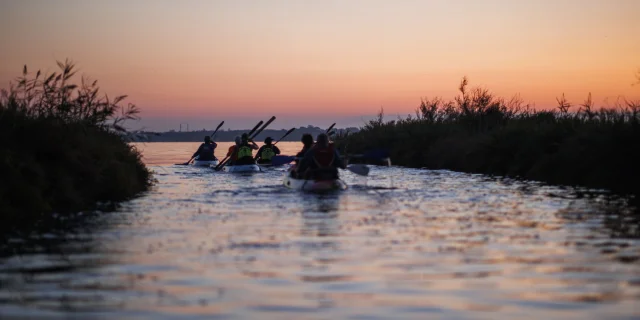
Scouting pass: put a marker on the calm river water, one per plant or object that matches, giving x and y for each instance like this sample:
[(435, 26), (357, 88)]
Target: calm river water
[(400, 244)]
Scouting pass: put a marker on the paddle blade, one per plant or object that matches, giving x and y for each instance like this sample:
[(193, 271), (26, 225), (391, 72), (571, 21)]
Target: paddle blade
[(256, 127), (376, 154), (262, 128), (331, 127), (281, 160), (359, 169)]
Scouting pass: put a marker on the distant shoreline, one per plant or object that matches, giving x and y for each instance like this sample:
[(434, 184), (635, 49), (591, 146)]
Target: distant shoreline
[(228, 135)]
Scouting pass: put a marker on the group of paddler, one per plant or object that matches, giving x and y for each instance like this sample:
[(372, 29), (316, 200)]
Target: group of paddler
[(317, 160)]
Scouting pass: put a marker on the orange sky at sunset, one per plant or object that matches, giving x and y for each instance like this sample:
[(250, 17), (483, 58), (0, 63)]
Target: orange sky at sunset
[(310, 62)]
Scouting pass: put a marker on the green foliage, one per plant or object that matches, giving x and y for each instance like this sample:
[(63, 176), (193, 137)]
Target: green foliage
[(480, 133), (63, 148)]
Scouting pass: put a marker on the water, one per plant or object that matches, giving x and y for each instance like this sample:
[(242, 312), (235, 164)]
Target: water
[(402, 244)]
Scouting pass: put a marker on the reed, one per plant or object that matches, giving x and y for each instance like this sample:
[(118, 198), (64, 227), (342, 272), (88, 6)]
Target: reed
[(477, 132), (63, 147)]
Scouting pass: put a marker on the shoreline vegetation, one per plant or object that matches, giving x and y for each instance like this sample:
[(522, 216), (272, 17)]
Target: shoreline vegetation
[(228, 135), (477, 132), (63, 148)]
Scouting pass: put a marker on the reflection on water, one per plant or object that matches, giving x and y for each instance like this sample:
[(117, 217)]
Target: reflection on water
[(403, 243)]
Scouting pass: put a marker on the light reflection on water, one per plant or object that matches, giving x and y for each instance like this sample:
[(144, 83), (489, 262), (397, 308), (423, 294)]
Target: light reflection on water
[(403, 243)]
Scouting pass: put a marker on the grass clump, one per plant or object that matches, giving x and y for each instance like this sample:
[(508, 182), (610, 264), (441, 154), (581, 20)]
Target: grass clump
[(478, 132), (63, 147)]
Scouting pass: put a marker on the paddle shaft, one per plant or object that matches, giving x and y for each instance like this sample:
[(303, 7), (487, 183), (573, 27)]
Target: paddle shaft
[(286, 134)]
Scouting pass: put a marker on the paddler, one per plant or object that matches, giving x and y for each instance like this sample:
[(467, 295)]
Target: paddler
[(244, 150), (307, 143), (232, 151), (321, 162), (205, 151), (267, 151)]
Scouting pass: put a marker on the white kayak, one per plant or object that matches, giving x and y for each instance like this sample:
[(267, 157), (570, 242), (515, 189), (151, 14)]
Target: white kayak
[(312, 185), (205, 163), (242, 168)]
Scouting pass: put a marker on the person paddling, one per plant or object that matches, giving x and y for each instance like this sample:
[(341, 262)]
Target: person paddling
[(231, 153), (205, 151), (244, 151), (267, 151), (321, 162)]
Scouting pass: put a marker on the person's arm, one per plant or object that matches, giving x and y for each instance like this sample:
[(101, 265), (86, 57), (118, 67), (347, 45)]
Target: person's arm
[(306, 160), (258, 153), (254, 146), (197, 151), (276, 150)]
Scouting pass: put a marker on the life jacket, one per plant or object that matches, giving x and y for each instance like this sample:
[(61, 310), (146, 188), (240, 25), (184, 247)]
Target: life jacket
[(267, 153), (232, 154), (244, 151), (324, 157)]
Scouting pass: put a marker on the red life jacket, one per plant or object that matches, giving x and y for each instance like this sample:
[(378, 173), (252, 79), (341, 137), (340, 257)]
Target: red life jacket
[(323, 157)]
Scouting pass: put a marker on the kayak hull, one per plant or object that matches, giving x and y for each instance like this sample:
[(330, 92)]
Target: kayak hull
[(312, 185), (242, 168), (205, 163)]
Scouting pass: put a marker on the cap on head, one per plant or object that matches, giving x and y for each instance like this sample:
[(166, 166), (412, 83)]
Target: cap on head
[(238, 140), (245, 137), (207, 139), (322, 140), (268, 140), (307, 139)]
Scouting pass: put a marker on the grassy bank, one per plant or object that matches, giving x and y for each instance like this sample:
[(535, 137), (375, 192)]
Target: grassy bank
[(63, 148), (480, 133)]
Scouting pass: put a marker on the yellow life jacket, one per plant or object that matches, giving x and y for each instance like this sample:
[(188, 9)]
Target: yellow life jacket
[(267, 153), (244, 151)]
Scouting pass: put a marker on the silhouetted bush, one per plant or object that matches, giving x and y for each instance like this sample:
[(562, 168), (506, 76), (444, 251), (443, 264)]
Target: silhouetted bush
[(63, 148), (480, 133)]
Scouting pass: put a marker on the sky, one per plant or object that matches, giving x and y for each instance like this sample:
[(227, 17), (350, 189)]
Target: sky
[(324, 61)]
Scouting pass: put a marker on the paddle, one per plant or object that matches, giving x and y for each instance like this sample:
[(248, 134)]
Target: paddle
[(331, 127), (214, 132), (281, 160), (219, 166), (262, 128), (359, 169), (286, 134)]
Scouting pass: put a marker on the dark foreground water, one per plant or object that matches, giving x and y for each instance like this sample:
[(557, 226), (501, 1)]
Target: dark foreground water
[(402, 244)]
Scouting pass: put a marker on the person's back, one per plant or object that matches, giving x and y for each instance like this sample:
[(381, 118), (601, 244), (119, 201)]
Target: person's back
[(321, 162), (307, 143), (267, 151), (206, 150), (232, 153)]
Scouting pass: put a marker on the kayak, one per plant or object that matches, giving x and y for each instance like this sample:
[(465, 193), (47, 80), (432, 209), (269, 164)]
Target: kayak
[(242, 168), (265, 165), (312, 185), (205, 163)]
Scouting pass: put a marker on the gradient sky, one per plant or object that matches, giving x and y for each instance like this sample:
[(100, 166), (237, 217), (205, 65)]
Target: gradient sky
[(324, 61)]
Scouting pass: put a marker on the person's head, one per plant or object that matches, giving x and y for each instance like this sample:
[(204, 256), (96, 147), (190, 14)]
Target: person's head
[(307, 140), (245, 137), (238, 140), (207, 139), (322, 140), (268, 141)]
